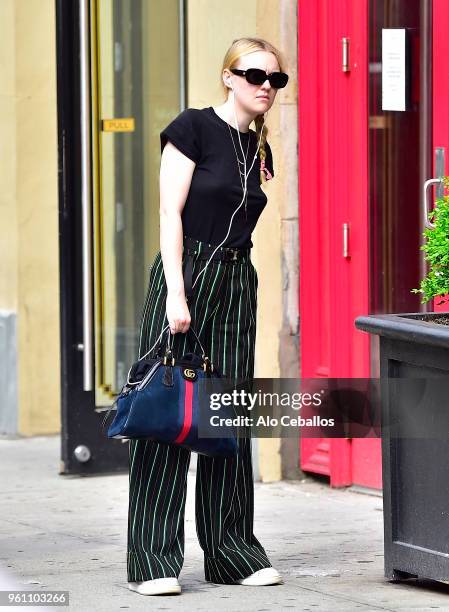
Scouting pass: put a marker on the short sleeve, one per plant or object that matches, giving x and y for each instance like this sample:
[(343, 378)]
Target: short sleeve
[(183, 132)]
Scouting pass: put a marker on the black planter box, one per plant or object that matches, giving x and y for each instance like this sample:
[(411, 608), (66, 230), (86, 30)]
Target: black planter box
[(415, 469)]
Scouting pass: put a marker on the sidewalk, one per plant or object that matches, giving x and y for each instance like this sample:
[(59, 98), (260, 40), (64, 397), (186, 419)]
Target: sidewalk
[(69, 533)]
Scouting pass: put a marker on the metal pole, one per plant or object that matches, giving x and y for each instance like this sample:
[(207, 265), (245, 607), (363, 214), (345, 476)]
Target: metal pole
[(86, 197)]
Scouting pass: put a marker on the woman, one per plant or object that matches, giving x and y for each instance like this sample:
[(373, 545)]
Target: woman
[(205, 259)]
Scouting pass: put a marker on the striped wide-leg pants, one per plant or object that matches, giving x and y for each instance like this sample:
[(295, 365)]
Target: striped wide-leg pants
[(223, 314)]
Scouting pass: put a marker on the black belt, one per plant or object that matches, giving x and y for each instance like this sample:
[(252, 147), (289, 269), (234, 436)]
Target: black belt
[(191, 252)]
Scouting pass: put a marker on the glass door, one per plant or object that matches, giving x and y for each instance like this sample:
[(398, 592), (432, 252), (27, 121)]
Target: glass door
[(137, 77), (120, 82), (399, 156)]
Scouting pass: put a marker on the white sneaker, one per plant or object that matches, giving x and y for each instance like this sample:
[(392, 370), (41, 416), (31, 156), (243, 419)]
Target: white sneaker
[(158, 586), (265, 576)]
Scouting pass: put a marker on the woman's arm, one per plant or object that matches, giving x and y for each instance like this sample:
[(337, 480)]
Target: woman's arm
[(174, 179)]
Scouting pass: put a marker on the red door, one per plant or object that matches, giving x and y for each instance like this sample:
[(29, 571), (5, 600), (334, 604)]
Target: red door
[(333, 218), (362, 168)]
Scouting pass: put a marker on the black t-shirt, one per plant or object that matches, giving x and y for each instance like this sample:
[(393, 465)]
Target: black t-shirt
[(216, 191)]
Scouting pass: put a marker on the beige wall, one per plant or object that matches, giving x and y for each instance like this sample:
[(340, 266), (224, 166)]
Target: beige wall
[(207, 45), (8, 120), (29, 279)]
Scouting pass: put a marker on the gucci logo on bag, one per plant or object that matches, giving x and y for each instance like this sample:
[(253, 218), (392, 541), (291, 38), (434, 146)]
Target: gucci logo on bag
[(189, 374)]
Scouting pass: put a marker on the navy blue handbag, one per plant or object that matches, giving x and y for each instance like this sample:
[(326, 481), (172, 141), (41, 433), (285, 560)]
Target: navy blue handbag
[(160, 400)]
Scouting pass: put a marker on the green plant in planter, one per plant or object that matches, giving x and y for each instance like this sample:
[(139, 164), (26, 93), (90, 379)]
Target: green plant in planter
[(436, 282)]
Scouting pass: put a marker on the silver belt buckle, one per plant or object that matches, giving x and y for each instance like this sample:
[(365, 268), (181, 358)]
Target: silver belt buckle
[(234, 254)]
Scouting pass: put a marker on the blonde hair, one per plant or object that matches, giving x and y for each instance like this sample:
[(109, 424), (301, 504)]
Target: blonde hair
[(239, 48)]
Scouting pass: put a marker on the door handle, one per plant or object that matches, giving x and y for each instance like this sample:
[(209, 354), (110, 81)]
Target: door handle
[(426, 208), (346, 240), (345, 54)]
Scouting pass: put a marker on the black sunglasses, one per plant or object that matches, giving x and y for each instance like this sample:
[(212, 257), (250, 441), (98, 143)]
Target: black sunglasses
[(256, 76)]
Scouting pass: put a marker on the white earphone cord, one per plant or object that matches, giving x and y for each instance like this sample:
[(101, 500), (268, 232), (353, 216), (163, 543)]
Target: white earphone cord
[(245, 188)]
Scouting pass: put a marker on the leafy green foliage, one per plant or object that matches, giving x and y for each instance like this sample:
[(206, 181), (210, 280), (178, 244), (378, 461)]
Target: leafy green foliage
[(436, 247)]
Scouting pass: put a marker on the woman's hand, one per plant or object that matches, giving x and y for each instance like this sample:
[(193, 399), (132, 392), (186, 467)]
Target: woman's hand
[(178, 314)]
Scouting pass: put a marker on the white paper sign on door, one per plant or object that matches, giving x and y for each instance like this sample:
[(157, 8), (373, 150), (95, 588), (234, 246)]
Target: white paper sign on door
[(394, 95)]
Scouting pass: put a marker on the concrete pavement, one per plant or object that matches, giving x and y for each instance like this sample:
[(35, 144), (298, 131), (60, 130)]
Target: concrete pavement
[(69, 533)]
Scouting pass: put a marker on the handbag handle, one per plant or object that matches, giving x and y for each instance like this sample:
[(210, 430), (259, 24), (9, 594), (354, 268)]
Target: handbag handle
[(159, 342), (203, 355)]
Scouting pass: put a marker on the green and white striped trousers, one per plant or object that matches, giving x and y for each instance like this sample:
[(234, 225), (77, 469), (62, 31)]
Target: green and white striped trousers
[(223, 313)]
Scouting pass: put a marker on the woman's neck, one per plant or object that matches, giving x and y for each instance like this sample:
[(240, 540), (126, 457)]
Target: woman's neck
[(226, 112)]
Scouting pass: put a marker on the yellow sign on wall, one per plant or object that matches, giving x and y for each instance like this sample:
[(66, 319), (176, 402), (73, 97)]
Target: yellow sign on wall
[(124, 124)]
